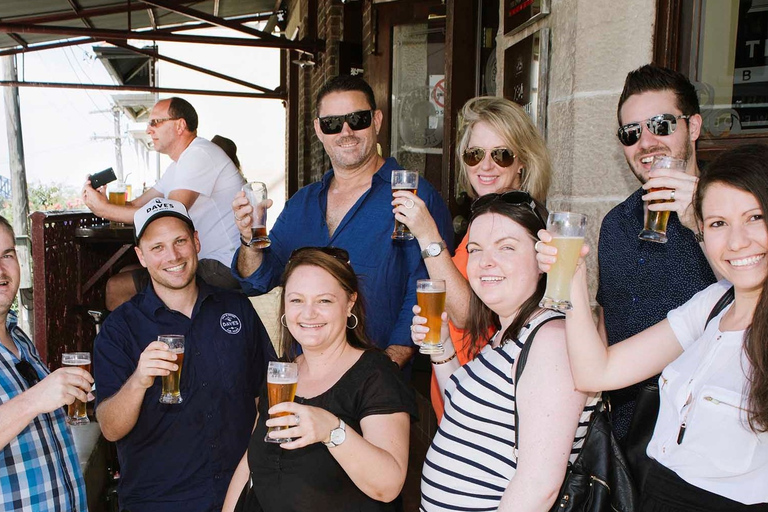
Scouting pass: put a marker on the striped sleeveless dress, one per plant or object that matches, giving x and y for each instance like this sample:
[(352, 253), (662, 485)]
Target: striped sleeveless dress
[(472, 459)]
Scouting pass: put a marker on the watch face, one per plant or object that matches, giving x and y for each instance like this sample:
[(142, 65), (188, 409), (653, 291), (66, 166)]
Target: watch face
[(433, 249), (338, 436)]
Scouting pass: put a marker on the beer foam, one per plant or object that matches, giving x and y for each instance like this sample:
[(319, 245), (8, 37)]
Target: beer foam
[(282, 380), (76, 362)]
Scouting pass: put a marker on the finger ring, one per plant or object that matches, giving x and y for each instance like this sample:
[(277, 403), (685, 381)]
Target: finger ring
[(536, 245), (238, 219), (672, 195), (298, 419), (409, 204)]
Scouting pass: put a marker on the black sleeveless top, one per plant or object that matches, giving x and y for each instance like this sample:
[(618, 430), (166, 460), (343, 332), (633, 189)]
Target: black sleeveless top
[(309, 479)]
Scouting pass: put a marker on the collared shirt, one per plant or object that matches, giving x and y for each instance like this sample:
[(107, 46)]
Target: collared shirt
[(181, 457), (387, 270), (640, 282), (39, 469), (707, 388)]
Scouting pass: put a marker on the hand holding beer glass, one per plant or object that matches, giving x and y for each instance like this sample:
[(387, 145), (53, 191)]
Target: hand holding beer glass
[(282, 379), (256, 193), (655, 229), (567, 230), (430, 295), (404, 180), (171, 393), (76, 414)]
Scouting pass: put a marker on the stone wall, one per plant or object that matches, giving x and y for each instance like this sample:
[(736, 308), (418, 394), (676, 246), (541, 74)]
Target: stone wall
[(593, 45)]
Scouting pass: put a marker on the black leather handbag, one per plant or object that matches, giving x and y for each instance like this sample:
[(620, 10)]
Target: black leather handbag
[(647, 410), (599, 480)]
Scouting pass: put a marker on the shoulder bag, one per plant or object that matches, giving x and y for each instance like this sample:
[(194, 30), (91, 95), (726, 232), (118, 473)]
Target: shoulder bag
[(647, 410), (599, 480)]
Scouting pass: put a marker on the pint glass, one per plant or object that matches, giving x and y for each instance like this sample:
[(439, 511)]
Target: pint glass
[(256, 193), (404, 180), (655, 229), (118, 195), (430, 295), (282, 379), (567, 230), (76, 414), (171, 394)]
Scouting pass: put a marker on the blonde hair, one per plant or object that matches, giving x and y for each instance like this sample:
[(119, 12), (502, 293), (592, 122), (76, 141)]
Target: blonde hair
[(514, 126)]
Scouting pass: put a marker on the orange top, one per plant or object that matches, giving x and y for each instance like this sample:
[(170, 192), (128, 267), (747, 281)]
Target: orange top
[(460, 343)]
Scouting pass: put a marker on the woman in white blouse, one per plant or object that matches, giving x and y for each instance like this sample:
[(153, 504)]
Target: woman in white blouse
[(710, 444)]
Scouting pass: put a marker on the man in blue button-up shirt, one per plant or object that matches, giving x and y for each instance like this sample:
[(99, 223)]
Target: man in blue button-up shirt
[(351, 207), (178, 457)]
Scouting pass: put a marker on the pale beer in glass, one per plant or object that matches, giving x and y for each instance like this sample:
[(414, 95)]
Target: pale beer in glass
[(256, 193), (655, 228), (76, 414), (567, 230), (404, 180), (171, 392), (282, 379), (118, 195), (430, 295)]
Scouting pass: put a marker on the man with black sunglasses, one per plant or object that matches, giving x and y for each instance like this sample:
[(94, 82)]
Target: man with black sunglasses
[(39, 465), (641, 281), (351, 208)]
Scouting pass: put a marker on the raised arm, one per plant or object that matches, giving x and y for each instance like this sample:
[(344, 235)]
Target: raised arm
[(595, 366), (549, 409), (119, 413), (97, 202), (424, 228), (376, 461), (59, 388)]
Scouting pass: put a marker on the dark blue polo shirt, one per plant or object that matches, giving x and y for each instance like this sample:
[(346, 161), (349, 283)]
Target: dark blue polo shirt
[(640, 282), (387, 270), (181, 457)]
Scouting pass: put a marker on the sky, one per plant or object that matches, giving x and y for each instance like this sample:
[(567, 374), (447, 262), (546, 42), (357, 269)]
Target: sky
[(64, 129)]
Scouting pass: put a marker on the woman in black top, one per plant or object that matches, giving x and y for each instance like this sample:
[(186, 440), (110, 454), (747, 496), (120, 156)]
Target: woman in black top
[(350, 418)]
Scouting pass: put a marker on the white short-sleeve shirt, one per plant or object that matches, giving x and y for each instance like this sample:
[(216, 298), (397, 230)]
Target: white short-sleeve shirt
[(706, 388), (204, 168)]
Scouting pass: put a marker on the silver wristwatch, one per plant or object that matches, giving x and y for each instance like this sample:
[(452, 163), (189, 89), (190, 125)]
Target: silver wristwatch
[(432, 250), (338, 435)]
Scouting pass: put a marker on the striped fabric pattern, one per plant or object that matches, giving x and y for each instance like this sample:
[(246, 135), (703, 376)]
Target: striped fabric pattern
[(472, 458), (39, 469)]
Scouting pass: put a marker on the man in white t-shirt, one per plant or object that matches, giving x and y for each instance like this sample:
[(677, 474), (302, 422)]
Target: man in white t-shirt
[(202, 177)]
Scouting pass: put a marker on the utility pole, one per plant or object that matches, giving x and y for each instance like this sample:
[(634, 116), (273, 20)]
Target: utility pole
[(19, 197)]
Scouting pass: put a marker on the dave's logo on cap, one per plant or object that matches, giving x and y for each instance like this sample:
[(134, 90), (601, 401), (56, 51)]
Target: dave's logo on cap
[(156, 208)]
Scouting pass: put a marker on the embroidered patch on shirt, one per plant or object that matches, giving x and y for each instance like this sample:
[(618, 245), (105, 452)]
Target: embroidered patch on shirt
[(230, 323)]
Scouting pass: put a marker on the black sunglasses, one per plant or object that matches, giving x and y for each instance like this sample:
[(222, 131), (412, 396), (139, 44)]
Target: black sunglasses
[(337, 252), (513, 197), (28, 372), (504, 157), (360, 120), (662, 125)]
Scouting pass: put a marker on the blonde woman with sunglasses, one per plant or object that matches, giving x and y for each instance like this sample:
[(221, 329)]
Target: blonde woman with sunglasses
[(499, 148)]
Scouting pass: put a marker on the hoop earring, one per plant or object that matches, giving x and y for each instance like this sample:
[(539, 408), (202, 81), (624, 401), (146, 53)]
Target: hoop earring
[(352, 315), (282, 321)]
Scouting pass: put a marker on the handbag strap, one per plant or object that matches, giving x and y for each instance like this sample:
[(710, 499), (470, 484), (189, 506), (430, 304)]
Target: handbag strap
[(521, 360), (721, 304)]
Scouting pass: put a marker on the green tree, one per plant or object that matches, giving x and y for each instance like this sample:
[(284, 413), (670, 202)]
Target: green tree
[(47, 197)]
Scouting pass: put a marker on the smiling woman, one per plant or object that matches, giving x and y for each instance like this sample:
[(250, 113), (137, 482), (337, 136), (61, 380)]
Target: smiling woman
[(710, 443), (349, 397)]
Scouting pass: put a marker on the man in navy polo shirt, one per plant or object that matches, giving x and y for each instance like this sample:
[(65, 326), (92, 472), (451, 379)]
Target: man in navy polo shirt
[(178, 457)]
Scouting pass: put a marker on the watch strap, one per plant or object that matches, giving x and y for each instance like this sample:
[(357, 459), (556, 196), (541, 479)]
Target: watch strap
[(343, 427), (245, 243)]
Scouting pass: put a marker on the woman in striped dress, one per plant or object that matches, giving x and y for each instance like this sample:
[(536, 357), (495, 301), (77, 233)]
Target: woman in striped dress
[(473, 463)]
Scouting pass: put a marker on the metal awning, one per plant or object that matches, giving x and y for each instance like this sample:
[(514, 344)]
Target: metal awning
[(34, 25)]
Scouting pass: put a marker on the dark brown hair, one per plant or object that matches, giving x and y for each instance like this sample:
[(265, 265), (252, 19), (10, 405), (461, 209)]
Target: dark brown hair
[(746, 168), (482, 319), (346, 83), (180, 108), (344, 274), (652, 78)]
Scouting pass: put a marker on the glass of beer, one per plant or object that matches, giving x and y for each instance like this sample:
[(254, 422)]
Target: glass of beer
[(281, 387), (430, 295), (567, 230), (171, 393), (117, 195), (655, 229), (76, 414), (256, 193), (404, 180)]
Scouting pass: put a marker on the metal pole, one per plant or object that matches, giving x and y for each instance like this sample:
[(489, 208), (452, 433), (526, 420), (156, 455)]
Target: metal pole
[(118, 144), (19, 197)]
